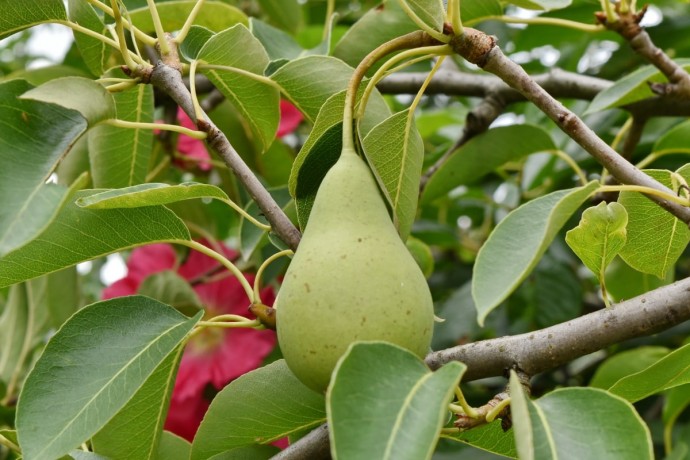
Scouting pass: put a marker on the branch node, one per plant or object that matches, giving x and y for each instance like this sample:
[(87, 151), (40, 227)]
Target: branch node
[(473, 45)]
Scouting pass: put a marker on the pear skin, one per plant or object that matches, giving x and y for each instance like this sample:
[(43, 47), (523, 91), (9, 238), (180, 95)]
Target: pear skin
[(351, 279)]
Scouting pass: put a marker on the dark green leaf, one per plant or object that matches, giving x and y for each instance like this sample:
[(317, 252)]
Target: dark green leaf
[(490, 437), (626, 363), (195, 40), (287, 14), (77, 235), (94, 51), (40, 134), (89, 370)]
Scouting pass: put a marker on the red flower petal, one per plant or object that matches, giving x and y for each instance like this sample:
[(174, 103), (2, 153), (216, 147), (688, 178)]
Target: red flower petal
[(290, 118)]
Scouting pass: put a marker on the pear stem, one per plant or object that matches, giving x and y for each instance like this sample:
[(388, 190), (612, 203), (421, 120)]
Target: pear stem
[(415, 39)]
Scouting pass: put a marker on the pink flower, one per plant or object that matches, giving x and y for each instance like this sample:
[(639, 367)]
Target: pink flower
[(216, 356), (290, 118)]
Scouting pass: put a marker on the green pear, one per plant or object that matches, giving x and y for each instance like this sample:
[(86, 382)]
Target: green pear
[(351, 279)]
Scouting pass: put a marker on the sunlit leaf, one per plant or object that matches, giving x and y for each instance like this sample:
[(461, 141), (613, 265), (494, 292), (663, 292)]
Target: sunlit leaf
[(215, 15), (599, 236), (431, 12), (656, 238), (258, 408), (93, 51), (626, 363), (411, 403), (85, 378), (18, 16), (541, 4), (524, 235)]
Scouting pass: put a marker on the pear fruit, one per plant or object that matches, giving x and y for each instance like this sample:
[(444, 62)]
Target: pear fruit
[(351, 279)]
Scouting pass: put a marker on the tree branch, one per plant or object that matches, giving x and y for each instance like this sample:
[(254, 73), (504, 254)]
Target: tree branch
[(480, 49), (170, 81)]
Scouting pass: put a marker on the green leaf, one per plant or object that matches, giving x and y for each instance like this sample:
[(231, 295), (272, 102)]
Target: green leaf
[(421, 253), (676, 139), (524, 234), (85, 96), (150, 194), (576, 423), (85, 377), (431, 12), (195, 40), (258, 408), (134, 433), (215, 15), (403, 403), (676, 401), (77, 235), (309, 81), (656, 238), (40, 134), (171, 289), (287, 14), (120, 156), (173, 447), (256, 101), (489, 437), (322, 148), (256, 452), (470, 162), (93, 51), (599, 236), (377, 26), (278, 44), (14, 332), (670, 371), (626, 363), (473, 11), (624, 282), (631, 88), (395, 151), (541, 4), (18, 16)]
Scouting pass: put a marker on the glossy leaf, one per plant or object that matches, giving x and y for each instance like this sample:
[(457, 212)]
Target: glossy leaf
[(431, 12), (85, 96), (309, 81), (473, 11), (120, 156), (258, 408), (77, 235), (575, 423), (670, 371), (656, 238), (402, 401), (134, 433), (93, 51), (395, 151), (470, 163), (215, 15), (524, 235), (22, 15), (40, 134), (599, 236), (98, 372), (150, 194), (322, 148), (195, 40), (626, 363), (256, 101), (631, 88)]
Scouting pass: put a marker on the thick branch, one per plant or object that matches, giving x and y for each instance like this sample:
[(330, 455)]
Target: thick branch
[(170, 81), (538, 351)]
